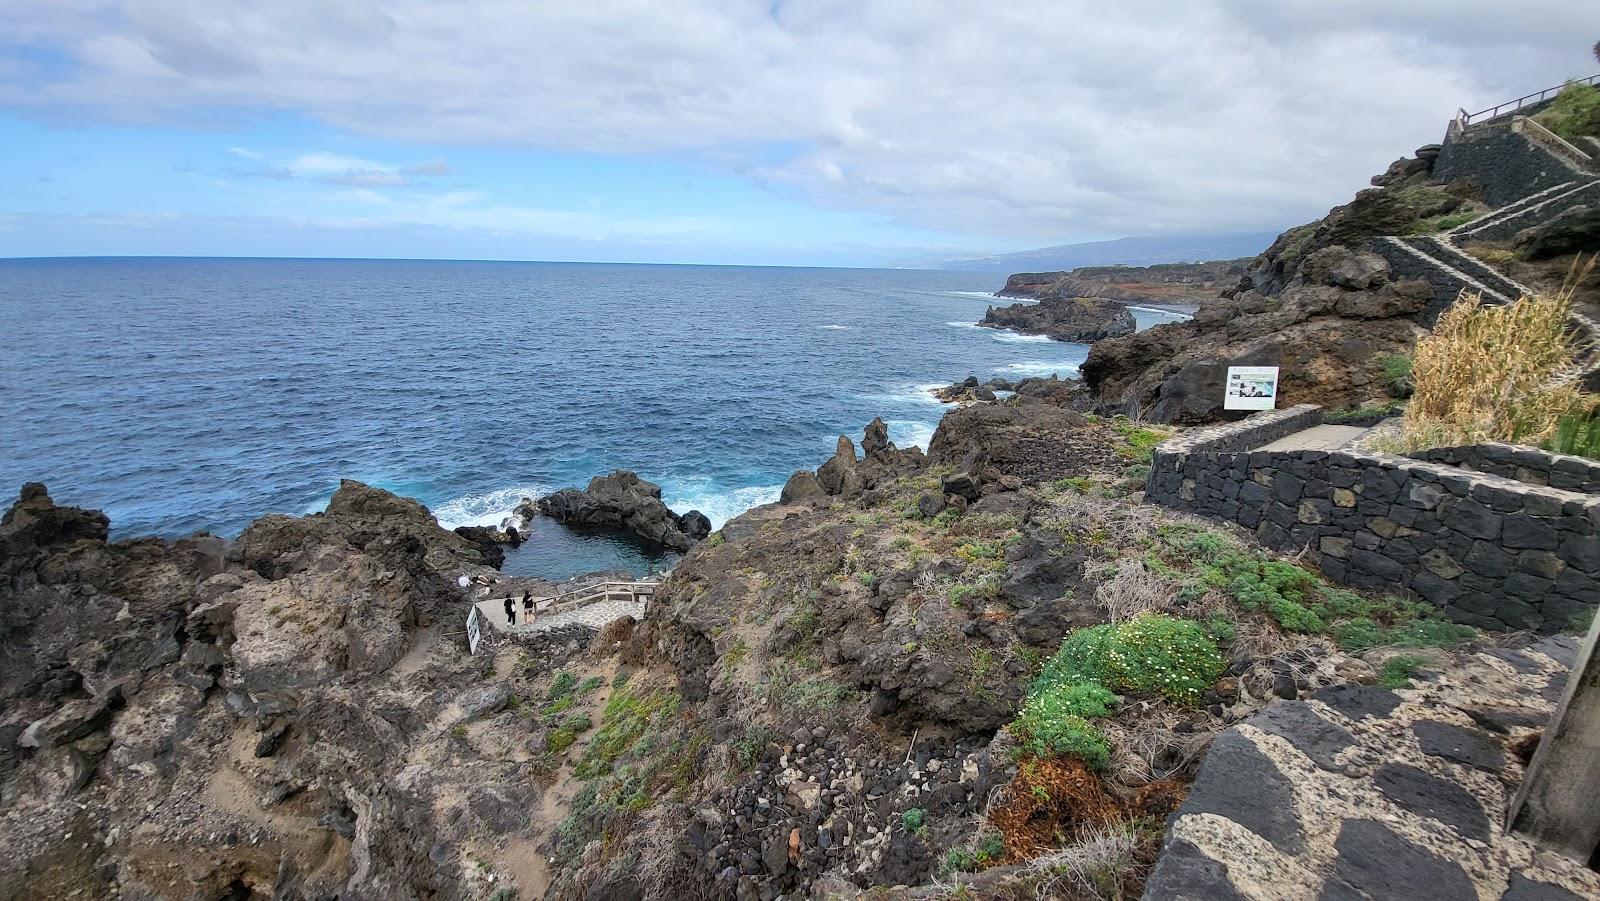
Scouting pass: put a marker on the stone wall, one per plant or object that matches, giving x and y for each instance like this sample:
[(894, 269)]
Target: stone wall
[(1506, 165), (1254, 431), (1523, 464), (1486, 550)]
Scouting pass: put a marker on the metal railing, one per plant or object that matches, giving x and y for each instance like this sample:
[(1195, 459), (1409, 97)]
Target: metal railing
[(1511, 106)]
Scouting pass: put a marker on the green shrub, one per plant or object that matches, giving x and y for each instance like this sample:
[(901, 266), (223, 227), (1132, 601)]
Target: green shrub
[(1150, 654), (560, 740), (912, 819), (1398, 671), (992, 847), (1575, 112), (1222, 628), (960, 860), (1397, 367), (1139, 442), (1048, 727), (562, 685), (1578, 435), (590, 684)]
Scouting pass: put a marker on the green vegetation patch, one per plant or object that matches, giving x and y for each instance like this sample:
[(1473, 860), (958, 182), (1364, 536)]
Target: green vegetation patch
[(1055, 721), (1575, 112), (1151, 654), (1138, 442), (1398, 671), (628, 718), (1296, 598)]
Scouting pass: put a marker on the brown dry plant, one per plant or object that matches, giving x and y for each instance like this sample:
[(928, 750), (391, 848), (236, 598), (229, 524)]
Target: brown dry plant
[(1494, 373)]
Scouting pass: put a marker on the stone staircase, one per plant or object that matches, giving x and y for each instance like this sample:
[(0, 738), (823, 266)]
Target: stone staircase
[(1501, 224), (1446, 252), (1408, 260)]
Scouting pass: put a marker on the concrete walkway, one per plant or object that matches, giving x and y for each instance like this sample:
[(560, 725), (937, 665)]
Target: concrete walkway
[(595, 615), (1318, 437)]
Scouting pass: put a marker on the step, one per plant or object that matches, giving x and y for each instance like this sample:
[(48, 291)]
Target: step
[(1489, 294), (1471, 229), (1513, 207), (1473, 266), (1318, 437)]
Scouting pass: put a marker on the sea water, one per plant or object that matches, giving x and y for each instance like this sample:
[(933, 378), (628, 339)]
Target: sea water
[(188, 394)]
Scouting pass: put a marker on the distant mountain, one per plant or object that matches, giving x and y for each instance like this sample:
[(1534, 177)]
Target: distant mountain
[(1122, 251)]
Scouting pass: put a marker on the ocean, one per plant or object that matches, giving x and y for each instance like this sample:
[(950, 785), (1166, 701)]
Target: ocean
[(188, 394)]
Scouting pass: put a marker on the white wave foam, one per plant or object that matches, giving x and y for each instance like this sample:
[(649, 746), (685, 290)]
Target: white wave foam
[(491, 508), (1014, 338), (717, 503), (1039, 367), (919, 395), (910, 432), (986, 295), (834, 328), (964, 324)]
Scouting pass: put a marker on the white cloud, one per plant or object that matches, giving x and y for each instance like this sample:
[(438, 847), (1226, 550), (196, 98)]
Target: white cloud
[(244, 153), (1036, 119)]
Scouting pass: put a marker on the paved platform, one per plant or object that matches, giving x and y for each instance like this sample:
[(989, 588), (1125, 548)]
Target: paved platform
[(595, 615), (1319, 437)]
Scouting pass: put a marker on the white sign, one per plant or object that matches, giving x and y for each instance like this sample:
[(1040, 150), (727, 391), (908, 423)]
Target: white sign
[(474, 632), (1251, 388)]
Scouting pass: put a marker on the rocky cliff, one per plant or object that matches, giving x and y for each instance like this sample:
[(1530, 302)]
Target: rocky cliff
[(1168, 283), (1316, 303), (1078, 319), (822, 700)]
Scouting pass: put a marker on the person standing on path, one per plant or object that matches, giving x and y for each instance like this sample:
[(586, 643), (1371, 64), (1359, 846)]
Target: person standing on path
[(527, 607), (511, 612)]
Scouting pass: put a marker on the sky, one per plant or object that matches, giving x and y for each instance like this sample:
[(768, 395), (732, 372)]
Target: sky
[(790, 132)]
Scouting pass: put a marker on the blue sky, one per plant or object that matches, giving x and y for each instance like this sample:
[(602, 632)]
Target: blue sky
[(723, 131)]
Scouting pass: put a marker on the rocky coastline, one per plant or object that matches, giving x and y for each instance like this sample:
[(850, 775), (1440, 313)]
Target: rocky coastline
[(1080, 320), (990, 669), (621, 503)]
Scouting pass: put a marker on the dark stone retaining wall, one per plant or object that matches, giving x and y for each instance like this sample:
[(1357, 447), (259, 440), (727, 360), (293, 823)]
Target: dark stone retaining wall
[(1524, 464), (1506, 165), (1488, 551)]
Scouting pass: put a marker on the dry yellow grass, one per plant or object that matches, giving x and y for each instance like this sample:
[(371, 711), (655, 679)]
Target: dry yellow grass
[(1487, 373)]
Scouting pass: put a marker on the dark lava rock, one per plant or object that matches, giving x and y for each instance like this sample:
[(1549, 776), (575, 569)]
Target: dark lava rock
[(1374, 862), (1429, 796), (696, 525), (1469, 746), (622, 503), (1076, 319), (1309, 733), (1183, 873), (1576, 230), (1240, 783), (1358, 701)]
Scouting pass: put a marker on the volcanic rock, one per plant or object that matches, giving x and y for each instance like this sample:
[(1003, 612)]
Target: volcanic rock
[(621, 503)]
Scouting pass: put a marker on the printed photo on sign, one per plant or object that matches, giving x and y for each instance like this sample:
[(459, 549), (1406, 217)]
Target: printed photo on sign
[(1251, 388)]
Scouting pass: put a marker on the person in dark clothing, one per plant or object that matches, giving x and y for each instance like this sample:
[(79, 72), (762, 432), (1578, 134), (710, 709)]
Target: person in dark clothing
[(527, 606), (511, 612)]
